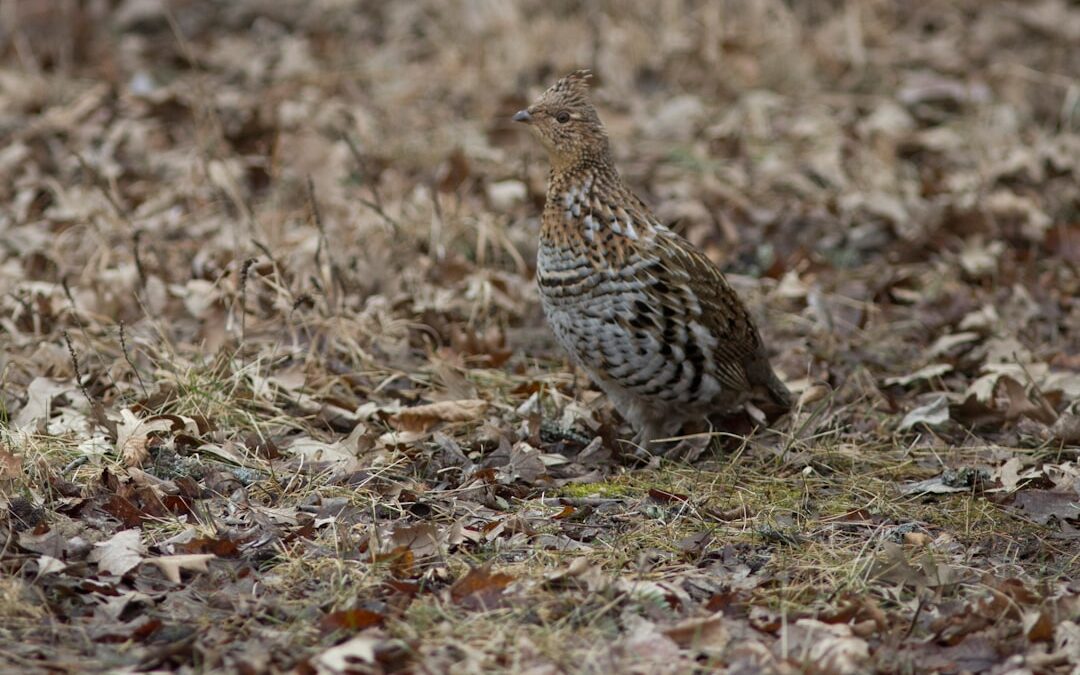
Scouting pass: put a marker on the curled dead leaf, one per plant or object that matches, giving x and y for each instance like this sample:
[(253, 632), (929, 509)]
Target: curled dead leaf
[(352, 620), (421, 418), (479, 589), (133, 436)]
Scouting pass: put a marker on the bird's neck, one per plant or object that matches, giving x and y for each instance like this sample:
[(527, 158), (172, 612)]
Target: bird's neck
[(589, 156), (584, 169), (588, 203)]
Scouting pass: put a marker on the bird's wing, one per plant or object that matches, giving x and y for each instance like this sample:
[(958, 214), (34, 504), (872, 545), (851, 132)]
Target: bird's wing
[(738, 343)]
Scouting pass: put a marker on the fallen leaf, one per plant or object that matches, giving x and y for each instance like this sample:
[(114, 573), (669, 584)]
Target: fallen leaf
[(1042, 506), (946, 342), (1021, 405), (171, 565), (579, 568), (649, 649), (932, 414), (666, 497), (826, 647), (422, 417), (422, 539), (132, 436), (708, 635), (120, 553), (1066, 429), (10, 463), (924, 373), (479, 589), (49, 565), (1009, 473), (346, 656), (352, 620), (40, 393)]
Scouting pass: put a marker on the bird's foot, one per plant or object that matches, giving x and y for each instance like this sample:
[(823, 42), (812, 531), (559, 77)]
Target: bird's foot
[(650, 444)]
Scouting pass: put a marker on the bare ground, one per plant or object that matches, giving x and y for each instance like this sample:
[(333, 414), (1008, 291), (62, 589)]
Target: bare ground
[(276, 395)]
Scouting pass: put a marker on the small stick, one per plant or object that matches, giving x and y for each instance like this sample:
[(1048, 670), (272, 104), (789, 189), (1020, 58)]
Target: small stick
[(1044, 404), (127, 357), (78, 372), (243, 298), (82, 329), (136, 239), (375, 205), (337, 281)]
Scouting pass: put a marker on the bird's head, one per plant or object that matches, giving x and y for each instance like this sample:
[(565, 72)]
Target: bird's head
[(566, 123)]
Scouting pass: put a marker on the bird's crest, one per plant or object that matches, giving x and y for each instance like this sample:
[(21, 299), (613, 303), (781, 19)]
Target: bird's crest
[(572, 89)]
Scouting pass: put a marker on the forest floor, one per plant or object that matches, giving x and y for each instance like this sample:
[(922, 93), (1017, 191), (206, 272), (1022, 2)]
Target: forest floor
[(276, 393)]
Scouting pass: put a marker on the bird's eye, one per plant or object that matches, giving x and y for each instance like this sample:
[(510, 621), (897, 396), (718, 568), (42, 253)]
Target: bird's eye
[(562, 117)]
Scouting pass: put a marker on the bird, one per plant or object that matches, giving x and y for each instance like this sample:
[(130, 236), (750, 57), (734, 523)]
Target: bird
[(647, 315)]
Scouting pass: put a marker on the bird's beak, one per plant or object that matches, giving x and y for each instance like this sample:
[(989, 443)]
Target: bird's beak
[(523, 116)]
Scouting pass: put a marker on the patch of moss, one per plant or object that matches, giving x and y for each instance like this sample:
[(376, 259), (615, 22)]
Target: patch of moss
[(614, 488)]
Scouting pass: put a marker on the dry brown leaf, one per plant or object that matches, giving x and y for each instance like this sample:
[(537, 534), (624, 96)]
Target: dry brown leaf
[(647, 649), (827, 647), (423, 539), (1042, 506), (422, 417), (352, 620), (132, 436), (709, 634), (10, 463), (479, 589), (1066, 429)]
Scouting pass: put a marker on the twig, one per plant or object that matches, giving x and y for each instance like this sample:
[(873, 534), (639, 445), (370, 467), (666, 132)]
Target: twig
[(382, 214), (243, 303), (78, 371), (136, 239), (915, 617), (438, 224), (336, 279), (1043, 402), (102, 186), (127, 357), (74, 464), (82, 329), (375, 205)]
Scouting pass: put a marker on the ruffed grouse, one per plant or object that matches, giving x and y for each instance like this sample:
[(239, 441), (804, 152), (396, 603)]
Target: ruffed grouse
[(648, 316)]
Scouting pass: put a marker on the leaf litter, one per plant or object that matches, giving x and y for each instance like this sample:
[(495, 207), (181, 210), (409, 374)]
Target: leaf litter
[(276, 393)]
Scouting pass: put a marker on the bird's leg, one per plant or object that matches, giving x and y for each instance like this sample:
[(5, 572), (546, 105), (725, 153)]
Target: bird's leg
[(687, 449), (649, 434)]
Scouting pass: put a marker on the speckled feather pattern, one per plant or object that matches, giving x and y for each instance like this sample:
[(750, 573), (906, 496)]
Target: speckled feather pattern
[(651, 319)]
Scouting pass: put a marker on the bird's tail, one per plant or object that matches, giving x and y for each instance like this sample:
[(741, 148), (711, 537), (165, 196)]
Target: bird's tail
[(779, 393)]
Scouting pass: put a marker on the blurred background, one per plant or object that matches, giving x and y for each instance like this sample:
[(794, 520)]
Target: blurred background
[(872, 172)]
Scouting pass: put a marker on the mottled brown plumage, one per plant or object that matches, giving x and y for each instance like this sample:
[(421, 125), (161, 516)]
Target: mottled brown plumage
[(648, 316)]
